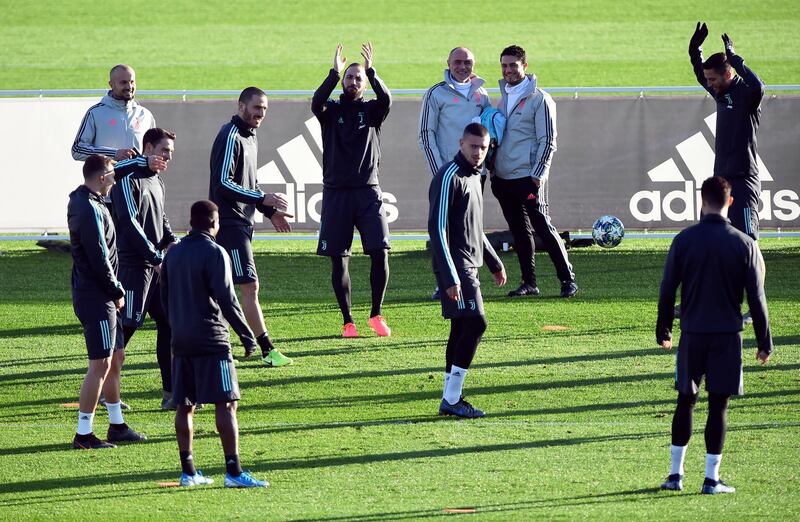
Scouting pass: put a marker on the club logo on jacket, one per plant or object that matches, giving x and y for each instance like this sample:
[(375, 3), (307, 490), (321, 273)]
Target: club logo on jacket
[(729, 101), (112, 121), (472, 305), (361, 123)]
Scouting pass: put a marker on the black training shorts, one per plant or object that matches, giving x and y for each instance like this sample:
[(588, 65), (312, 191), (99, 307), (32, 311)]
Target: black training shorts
[(101, 323), (718, 357), (343, 209), (237, 241), (140, 284), (207, 379), (471, 301)]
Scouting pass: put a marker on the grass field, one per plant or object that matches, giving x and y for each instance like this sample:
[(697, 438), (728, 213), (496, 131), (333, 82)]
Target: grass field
[(284, 44), (577, 427)]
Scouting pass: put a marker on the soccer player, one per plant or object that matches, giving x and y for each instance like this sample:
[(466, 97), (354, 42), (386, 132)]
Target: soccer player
[(234, 189), (351, 196), (459, 247), (713, 263), (145, 235), (447, 108), (197, 293), (738, 98), (97, 296), (114, 127), (522, 168)]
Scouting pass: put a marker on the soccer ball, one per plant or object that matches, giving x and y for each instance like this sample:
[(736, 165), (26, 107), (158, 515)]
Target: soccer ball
[(608, 231)]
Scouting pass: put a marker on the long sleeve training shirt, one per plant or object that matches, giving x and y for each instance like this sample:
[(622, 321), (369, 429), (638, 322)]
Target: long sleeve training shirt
[(198, 294), (351, 151), (455, 222)]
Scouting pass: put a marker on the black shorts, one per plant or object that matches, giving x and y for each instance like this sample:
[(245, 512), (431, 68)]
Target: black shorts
[(743, 213), (471, 302), (101, 323), (718, 357), (343, 209), (140, 284), (237, 241), (207, 379)]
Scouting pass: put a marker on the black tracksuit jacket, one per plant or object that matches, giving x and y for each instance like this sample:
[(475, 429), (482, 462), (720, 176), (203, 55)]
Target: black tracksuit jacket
[(93, 245), (234, 167), (455, 222), (198, 295), (714, 264), (138, 210), (351, 151), (738, 117)]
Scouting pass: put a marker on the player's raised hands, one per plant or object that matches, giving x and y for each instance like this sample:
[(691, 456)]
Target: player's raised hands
[(279, 221), (366, 52), (729, 50), (276, 200), (699, 36), (338, 59)]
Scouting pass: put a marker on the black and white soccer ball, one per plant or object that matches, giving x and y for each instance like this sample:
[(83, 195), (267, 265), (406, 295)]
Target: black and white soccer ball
[(608, 231)]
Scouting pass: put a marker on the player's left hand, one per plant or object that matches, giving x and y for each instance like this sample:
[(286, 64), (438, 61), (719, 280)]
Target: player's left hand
[(156, 163), (279, 221), (729, 50), (500, 277), (667, 344), (762, 357), (366, 52), (537, 182)]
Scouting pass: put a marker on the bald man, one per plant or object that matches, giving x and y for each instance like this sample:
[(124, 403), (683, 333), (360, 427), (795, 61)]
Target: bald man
[(447, 108), (114, 127)]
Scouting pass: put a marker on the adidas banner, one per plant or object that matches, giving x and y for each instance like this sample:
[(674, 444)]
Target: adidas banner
[(641, 160)]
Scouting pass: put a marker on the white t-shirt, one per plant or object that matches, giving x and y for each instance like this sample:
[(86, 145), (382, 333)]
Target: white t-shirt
[(514, 92), (463, 88)]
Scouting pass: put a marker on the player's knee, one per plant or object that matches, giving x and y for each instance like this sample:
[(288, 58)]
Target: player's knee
[(100, 367), (718, 402), (687, 400)]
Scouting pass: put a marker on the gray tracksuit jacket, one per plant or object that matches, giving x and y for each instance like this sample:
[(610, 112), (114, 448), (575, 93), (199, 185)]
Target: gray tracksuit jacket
[(198, 295), (445, 112), (110, 125), (530, 138)]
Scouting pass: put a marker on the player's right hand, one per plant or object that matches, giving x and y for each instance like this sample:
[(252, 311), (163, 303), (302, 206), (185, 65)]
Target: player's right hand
[(454, 292), (729, 50), (666, 344), (338, 59), (122, 154), (699, 36), (762, 357), (119, 303), (276, 200), (156, 163)]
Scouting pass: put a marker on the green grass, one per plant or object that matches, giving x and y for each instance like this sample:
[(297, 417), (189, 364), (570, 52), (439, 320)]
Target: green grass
[(578, 423), (289, 44)]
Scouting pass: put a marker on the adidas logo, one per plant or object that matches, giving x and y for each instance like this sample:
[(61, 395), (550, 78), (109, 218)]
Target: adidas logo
[(684, 203), (304, 169)]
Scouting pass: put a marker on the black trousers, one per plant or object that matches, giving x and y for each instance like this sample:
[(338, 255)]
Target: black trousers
[(525, 212)]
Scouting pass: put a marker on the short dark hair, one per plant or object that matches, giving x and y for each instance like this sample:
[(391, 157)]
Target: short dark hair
[(715, 191), (201, 215), (515, 51), (155, 135), (96, 165), (249, 93), (475, 129), (718, 62), (354, 64)]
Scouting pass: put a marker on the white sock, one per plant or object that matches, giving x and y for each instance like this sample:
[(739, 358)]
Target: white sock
[(712, 466), (115, 413), (452, 390), (446, 378), (678, 456), (85, 421)]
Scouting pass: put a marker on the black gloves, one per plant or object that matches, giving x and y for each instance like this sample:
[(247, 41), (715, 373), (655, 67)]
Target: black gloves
[(729, 51), (699, 36)]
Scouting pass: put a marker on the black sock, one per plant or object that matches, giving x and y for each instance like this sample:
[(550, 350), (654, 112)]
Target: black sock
[(83, 438), (119, 427), (340, 279), (232, 465), (265, 343), (187, 463), (378, 279)]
